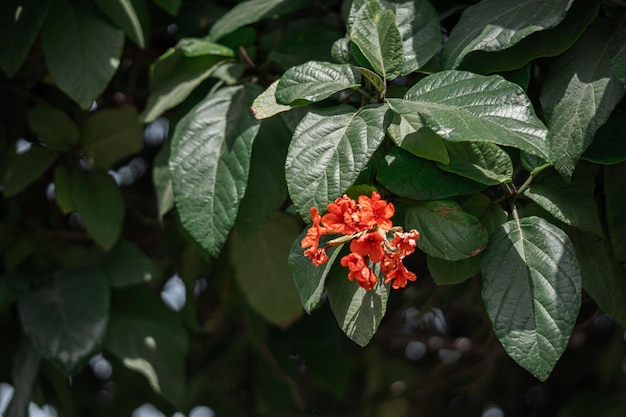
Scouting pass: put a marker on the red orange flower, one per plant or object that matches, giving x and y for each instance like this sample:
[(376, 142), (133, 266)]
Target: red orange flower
[(375, 211), (369, 244), (342, 216), (359, 270)]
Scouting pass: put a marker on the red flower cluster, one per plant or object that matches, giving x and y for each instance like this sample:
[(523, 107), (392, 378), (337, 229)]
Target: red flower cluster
[(365, 225)]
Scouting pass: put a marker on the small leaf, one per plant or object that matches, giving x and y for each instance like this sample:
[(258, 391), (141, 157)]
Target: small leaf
[(24, 374), (26, 168), (100, 205), (315, 81), (328, 151), (571, 94), (376, 34), (266, 106), (373, 78), (357, 311), (614, 186), (461, 106), (264, 277), (446, 231), (82, 51), (482, 162), (453, 272), (418, 179), (67, 320), (19, 26), (532, 291), (209, 165), (54, 128), (127, 265), (63, 189), (417, 138), (163, 181), (109, 135), (170, 6)]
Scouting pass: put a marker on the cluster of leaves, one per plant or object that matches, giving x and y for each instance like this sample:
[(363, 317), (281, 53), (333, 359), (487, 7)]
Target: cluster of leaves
[(503, 146)]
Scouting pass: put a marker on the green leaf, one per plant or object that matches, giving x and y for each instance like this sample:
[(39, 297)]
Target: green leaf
[(614, 186), (579, 94), (127, 265), (418, 24), (252, 11), (446, 231), (304, 44), (357, 311), (19, 26), (482, 162), (376, 34), (54, 128), (266, 106), (572, 203), (532, 291), (608, 144), (67, 320), (418, 179), (133, 16), (24, 374), (149, 339), (82, 51), (176, 73), (262, 271), (446, 272), (328, 151), (310, 280), (63, 189), (618, 65), (26, 168), (163, 181), (100, 205), (372, 78), (417, 138), (109, 135), (315, 81), (211, 150), (170, 6), (494, 25), (341, 51), (490, 214), (461, 106)]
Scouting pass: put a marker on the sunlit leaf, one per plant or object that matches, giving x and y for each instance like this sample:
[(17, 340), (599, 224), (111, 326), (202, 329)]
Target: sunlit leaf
[(417, 138), (265, 105)]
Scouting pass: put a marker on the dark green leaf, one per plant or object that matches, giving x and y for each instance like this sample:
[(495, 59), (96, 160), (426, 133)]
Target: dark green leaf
[(608, 143), (175, 74), (461, 106), (127, 265), (163, 181), (24, 373), (132, 16), (53, 126), (618, 65), (446, 231), (328, 151), (494, 25), (26, 168), (170, 6), (446, 272), (110, 135), (614, 186), (211, 150), (63, 189), (100, 205), (262, 271), (315, 81), (579, 94), (266, 106), (490, 214), (418, 179), (572, 203), (358, 311), (532, 291), (376, 34), (307, 44), (19, 26), (372, 78), (149, 339), (67, 320), (482, 162), (417, 138), (82, 51)]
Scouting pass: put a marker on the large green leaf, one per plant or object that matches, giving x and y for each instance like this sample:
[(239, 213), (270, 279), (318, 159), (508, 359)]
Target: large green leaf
[(417, 138), (614, 186), (446, 231), (608, 143), (19, 26), (357, 311), (532, 291), (127, 265), (482, 162), (26, 168), (100, 205), (211, 150), (133, 16), (494, 25), (262, 271), (572, 203), (53, 126), (579, 94), (328, 151), (24, 374), (418, 24), (461, 106), (82, 51), (376, 34), (149, 339), (418, 179), (67, 319), (175, 74), (315, 81), (109, 135), (446, 272)]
